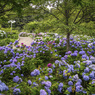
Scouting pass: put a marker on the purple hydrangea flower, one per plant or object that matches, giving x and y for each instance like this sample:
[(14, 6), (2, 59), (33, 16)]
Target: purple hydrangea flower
[(48, 84), (16, 79), (70, 83), (49, 65), (60, 85), (93, 81), (86, 78), (22, 75), (46, 77), (82, 52), (69, 52), (74, 54), (16, 91), (35, 72), (75, 78), (60, 89), (77, 83), (86, 70), (29, 82), (69, 89), (79, 88), (47, 89), (43, 92), (53, 66), (91, 75), (49, 70)]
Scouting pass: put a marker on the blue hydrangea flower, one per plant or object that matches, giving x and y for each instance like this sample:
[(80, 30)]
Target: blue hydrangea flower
[(84, 56), (16, 91), (10, 43), (74, 54), (50, 70), (93, 81), (77, 65), (91, 75), (46, 77), (77, 83), (86, 70), (57, 61), (69, 52), (79, 88), (53, 66), (65, 74), (22, 75), (86, 78), (3, 86), (75, 78), (48, 84), (29, 82), (13, 71), (35, 72), (43, 92), (47, 89), (60, 85), (80, 80), (70, 83), (69, 89), (50, 76), (60, 89), (16, 79), (82, 52)]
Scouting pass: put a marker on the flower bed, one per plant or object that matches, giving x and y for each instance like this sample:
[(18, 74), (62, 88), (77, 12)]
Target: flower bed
[(45, 68)]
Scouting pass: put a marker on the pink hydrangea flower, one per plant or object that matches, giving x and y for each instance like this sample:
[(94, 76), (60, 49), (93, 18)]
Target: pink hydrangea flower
[(21, 43), (49, 65)]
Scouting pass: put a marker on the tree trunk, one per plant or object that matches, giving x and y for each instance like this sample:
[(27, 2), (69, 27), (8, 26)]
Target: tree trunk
[(68, 41), (67, 23)]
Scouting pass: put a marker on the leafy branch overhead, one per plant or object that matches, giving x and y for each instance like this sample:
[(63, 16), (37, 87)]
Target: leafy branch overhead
[(12, 5)]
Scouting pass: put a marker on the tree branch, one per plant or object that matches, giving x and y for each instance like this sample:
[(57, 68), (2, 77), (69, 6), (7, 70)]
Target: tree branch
[(6, 10), (72, 12), (3, 6), (60, 11), (50, 13), (77, 16)]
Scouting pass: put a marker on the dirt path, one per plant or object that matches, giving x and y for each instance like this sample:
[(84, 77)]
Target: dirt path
[(25, 40)]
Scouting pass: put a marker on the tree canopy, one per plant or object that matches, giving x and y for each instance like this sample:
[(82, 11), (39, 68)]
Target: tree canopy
[(70, 13), (12, 5)]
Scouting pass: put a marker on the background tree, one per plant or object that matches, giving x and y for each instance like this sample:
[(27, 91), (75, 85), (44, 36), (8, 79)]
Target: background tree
[(10, 9), (73, 13)]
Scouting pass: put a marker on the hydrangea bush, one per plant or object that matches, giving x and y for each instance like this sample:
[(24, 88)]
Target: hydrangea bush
[(2, 34), (45, 68)]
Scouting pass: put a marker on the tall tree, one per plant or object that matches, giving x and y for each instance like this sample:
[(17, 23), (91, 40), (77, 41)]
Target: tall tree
[(74, 12)]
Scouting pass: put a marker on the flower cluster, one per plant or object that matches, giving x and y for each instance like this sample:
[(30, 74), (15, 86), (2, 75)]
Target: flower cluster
[(60, 87), (3, 86), (47, 86), (16, 91), (17, 79), (35, 72)]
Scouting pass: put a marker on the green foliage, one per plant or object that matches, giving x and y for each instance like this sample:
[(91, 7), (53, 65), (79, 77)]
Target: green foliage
[(31, 26), (61, 50), (6, 73), (29, 66)]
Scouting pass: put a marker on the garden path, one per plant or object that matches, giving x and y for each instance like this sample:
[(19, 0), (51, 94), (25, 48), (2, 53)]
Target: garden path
[(25, 40)]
